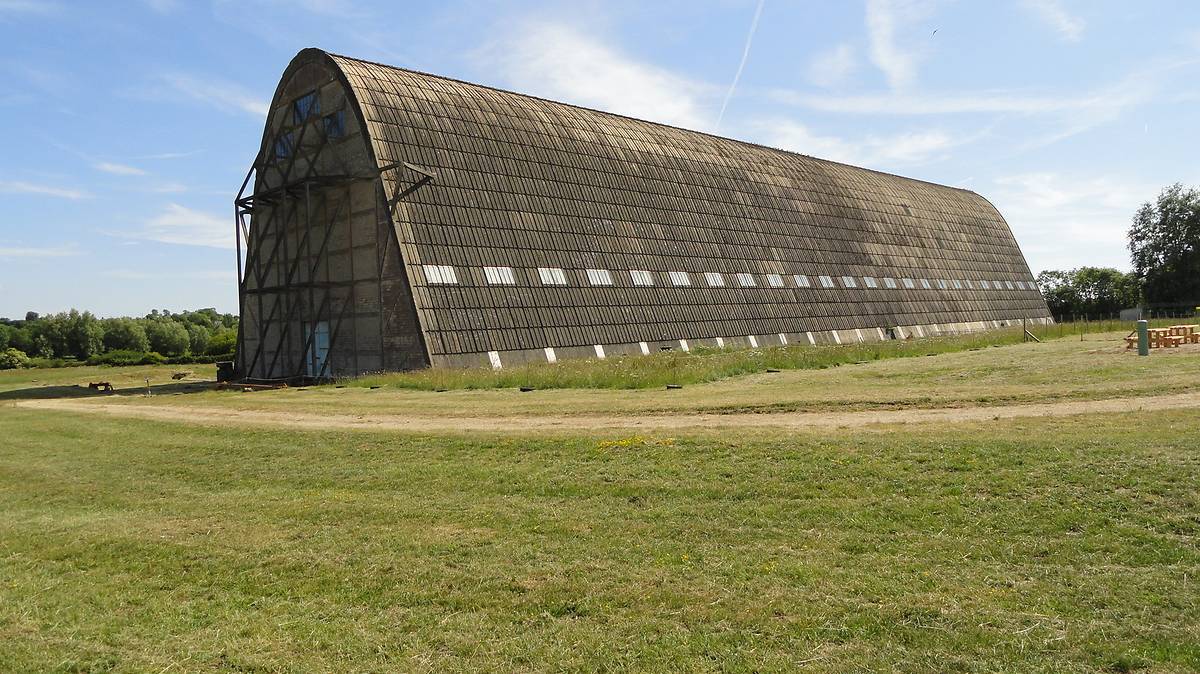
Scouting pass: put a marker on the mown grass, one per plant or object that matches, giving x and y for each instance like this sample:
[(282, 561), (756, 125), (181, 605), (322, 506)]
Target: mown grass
[(677, 367), (1044, 545), (705, 364)]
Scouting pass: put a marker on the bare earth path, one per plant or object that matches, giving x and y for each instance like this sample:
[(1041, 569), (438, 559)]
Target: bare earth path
[(781, 420)]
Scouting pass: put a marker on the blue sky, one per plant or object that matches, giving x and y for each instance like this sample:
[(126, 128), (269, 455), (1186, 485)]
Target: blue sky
[(130, 125)]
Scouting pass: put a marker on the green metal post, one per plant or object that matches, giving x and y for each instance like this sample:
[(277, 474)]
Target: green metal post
[(1143, 328)]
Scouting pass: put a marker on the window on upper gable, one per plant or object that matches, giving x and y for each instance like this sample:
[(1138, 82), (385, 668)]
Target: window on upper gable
[(680, 278), (775, 280), (714, 279), (284, 145), (909, 283), (849, 282), (827, 282), (925, 284), (870, 282), (335, 125), (801, 281), (746, 280), (306, 106)]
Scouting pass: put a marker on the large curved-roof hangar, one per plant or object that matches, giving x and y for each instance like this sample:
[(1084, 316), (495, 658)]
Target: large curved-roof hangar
[(395, 219)]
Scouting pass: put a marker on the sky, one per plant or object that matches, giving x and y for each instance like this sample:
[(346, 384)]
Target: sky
[(129, 125)]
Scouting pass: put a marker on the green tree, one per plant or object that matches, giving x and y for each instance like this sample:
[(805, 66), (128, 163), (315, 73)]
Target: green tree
[(85, 336), (1060, 293), (50, 336), (1165, 244), (223, 342), (198, 338), (124, 334), (1089, 291), (167, 337)]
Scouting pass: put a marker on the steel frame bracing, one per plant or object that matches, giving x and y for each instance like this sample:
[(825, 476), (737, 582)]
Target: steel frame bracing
[(306, 294)]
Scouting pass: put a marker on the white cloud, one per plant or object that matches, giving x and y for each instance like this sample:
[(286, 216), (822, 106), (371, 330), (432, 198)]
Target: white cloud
[(1051, 12), (1064, 221), (185, 226), (872, 151), (35, 252), (219, 94), (1069, 114), (21, 187), (887, 21), (741, 64), (831, 68), (559, 62), (119, 169)]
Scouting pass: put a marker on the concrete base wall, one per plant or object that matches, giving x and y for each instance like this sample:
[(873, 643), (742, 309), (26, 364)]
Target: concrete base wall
[(499, 359)]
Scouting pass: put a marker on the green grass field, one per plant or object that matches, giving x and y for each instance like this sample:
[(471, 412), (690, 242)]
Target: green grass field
[(1041, 544)]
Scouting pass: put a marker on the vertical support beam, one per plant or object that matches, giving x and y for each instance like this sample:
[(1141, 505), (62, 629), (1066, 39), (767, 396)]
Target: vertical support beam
[(1143, 330)]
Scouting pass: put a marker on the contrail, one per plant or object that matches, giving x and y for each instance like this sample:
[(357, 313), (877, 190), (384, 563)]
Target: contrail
[(745, 55)]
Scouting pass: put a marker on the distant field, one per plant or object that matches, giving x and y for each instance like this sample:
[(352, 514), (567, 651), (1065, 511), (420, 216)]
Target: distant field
[(1056, 544)]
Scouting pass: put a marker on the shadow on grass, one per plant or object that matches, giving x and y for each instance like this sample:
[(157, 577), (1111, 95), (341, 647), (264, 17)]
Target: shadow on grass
[(79, 391)]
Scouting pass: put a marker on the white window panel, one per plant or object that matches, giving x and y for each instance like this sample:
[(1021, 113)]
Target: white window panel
[(925, 284), (826, 281), (870, 282), (984, 284), (909, 283), (957, 284), (849, 282), (714, 279), (680, 278), (599, 277), (439, 274), (889, 282), (801, 281), (641, 277), (1021, 285), (746, 280), (499, 276), (1008, 284), (552, 276), (967, 284), (775, 280)]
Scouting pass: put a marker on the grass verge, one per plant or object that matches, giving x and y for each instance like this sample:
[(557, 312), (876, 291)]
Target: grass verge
[(706, 364)]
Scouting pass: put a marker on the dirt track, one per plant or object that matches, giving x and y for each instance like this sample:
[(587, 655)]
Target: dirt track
[(783, 420)]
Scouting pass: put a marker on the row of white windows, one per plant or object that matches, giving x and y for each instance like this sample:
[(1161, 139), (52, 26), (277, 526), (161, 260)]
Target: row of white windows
[(442, 274)]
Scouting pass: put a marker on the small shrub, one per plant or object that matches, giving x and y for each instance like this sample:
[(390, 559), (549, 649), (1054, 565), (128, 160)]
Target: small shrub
[(12, 359)]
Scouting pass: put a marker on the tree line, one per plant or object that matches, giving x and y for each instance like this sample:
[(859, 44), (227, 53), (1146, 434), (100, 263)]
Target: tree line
[(1164, 246), (203, 335)]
